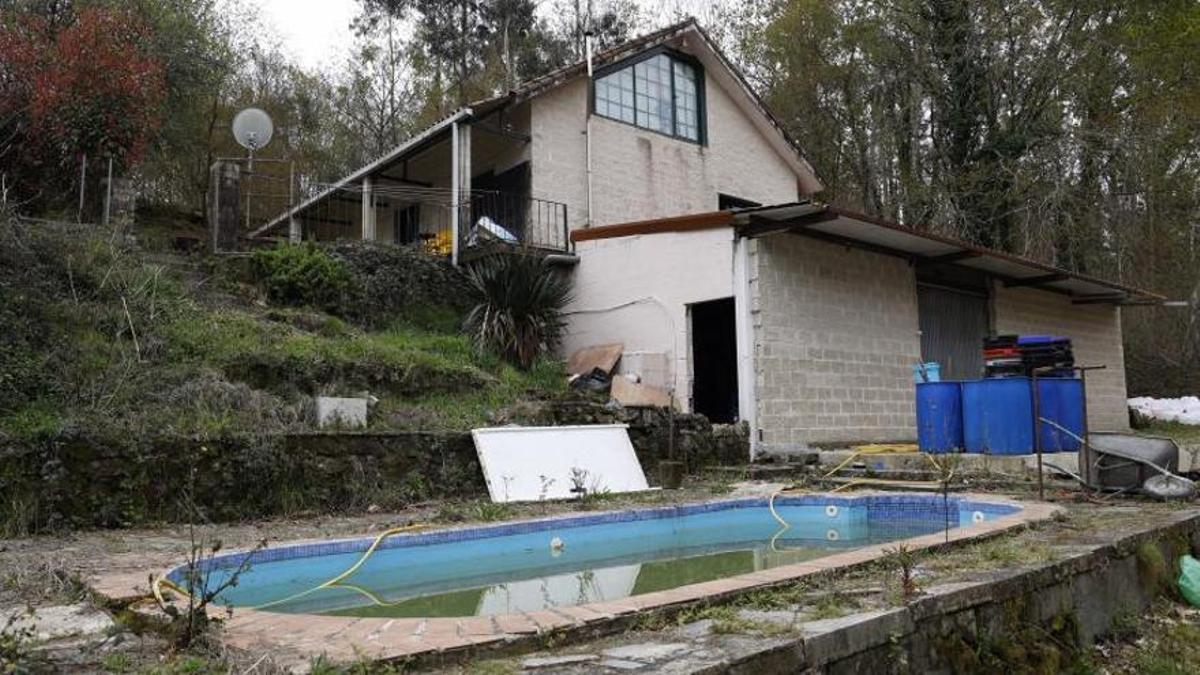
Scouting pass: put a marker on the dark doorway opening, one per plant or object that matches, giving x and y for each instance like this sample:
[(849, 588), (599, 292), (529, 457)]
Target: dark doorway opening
[(729, 202), (714, 361)]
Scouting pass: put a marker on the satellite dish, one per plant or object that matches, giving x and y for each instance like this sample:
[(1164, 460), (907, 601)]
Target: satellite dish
[(253, 128)]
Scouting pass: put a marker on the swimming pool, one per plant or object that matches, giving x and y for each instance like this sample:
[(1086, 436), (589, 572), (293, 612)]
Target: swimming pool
[(560, 562)]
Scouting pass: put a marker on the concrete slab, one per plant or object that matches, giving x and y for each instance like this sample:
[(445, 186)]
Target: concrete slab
[(536, 662), (646, 651), (347, 412), (622, 664), (58, 621), (917, 461)]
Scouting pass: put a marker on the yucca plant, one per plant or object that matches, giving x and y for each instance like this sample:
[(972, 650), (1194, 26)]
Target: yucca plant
[(519, 302)]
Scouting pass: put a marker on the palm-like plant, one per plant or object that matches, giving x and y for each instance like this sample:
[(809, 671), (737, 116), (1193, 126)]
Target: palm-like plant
[(519, 303)]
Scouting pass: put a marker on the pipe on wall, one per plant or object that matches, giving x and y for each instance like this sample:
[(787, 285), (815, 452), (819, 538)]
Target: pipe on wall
[(587, 131)]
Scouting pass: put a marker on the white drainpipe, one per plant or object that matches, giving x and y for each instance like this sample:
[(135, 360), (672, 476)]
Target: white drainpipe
[(744, 335), (587, 41)]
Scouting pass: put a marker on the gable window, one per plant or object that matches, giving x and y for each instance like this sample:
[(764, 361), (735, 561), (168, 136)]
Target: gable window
[(662, 92)]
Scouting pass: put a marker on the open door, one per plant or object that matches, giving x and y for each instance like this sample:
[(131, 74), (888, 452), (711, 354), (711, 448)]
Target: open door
[(714, 360)]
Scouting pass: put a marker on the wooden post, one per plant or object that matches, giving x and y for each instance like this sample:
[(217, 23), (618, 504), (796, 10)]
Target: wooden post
[(108, 193), (82, 183), (223, 210)]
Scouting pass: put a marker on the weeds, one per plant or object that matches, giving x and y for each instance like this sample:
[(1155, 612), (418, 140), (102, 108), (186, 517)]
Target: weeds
[(190, 623), (481, 511), (904, 561)]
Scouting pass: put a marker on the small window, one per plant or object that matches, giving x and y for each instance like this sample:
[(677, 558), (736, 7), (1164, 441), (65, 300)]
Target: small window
[(661, 93)]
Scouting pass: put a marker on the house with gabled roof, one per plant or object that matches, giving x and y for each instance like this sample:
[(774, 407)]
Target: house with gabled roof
[(687, 216)]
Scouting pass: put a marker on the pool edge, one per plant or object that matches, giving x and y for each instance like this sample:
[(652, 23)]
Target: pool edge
[(306, 636)]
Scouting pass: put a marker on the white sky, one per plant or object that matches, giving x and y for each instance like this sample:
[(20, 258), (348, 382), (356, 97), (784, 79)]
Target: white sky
[(317, 32)]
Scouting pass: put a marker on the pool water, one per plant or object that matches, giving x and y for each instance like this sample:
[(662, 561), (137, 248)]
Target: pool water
[(535, 565)]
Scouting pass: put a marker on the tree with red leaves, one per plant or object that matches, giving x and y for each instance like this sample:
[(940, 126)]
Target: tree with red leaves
[(84, 87)]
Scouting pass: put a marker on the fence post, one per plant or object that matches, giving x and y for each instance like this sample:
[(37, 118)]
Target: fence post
[(108, 194), (82, 183), (223, 213)]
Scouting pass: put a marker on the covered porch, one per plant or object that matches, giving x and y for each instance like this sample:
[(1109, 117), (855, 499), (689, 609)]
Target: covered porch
[(458, 188)]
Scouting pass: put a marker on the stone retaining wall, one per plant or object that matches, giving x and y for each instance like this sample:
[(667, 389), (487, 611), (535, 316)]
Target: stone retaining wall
[(79, 480), (1065, 604)]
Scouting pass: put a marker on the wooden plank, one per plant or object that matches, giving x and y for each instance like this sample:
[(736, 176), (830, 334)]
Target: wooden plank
[(690, 223), (586, 360), (637, 395)]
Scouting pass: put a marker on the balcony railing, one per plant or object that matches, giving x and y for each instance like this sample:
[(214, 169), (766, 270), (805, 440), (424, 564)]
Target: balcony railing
[(506, 218)]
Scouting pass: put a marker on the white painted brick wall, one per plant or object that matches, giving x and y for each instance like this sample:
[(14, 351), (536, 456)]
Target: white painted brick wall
[(836, 337), (639, 174), (1095, 331)]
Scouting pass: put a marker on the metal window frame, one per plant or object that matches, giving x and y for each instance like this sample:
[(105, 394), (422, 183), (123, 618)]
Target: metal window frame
[(672, 55)]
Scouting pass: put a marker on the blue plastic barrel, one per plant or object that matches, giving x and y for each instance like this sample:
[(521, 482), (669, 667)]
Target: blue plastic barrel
[(998, 416), (1060, 400), (939, 417)]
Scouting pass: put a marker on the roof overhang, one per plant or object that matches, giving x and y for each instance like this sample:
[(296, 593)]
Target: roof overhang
[(922, 248), (377, 166)]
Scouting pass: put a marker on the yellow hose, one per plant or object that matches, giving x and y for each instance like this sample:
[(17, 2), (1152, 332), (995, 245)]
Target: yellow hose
[(350, 570), (159, 582)]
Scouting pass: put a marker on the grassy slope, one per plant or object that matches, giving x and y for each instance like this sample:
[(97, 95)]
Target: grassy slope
[(210, 356)]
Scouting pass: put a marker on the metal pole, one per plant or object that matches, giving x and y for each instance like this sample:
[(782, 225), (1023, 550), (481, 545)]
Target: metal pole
[(108, 193), (249, 175), (1037, 433), (293, 225), (1085, 448), (455, 186), (82, 182)]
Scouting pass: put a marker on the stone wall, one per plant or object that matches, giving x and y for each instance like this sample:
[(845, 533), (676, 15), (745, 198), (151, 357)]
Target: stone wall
[(1095, 332), (836, 337), (80, 481), (698, 443), (1032, 617)]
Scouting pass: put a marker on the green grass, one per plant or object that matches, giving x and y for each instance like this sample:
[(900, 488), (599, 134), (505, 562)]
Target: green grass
[(467, 409), (38, 419)]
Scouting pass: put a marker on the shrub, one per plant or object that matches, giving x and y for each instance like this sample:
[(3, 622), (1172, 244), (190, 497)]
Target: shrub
[(518, 310), (302, 275), (401, 283)]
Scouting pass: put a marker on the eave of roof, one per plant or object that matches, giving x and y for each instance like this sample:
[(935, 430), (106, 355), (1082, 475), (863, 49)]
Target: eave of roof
[(379, 163), (554, 78), (879, 235)]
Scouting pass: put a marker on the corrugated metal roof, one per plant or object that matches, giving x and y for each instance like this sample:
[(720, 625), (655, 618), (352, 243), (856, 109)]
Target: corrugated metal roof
[(922, 247)]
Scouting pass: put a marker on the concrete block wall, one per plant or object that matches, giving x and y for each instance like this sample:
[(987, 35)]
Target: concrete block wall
[(836, 335), (1095, 331)]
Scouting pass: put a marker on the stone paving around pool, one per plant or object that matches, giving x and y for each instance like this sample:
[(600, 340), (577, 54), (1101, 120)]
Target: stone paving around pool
[(297, 639)]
